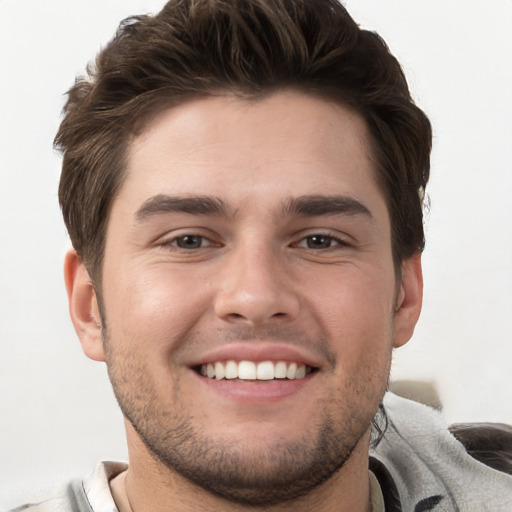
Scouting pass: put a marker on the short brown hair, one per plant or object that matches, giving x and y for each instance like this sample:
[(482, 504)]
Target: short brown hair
[(249, 48)]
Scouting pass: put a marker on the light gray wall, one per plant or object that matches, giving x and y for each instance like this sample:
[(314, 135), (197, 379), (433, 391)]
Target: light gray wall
[(57, 413)]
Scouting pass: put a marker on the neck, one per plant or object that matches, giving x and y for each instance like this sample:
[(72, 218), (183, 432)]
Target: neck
[(147, 486)]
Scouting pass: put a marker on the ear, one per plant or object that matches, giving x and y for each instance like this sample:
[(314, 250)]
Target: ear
[(409, 300), (83, 306)]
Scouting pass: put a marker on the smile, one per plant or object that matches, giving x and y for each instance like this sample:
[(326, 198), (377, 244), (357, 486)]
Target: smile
[(249, 370)]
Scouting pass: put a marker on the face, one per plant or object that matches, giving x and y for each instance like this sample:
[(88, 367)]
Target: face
[(249, 299)]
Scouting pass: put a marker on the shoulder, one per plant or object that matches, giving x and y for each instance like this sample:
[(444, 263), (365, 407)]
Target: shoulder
[(464, 468), (69, 499), (487, 443), (92, 494)]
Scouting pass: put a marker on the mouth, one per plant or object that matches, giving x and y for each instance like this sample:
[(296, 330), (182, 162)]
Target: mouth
[(254, 371)]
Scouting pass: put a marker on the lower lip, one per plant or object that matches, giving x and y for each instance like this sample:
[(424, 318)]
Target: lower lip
[(256, 390)]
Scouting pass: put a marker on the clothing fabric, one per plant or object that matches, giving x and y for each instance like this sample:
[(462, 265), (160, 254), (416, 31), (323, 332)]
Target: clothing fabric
[(376, 497), (418, 464), (421, 466), (92, 494)]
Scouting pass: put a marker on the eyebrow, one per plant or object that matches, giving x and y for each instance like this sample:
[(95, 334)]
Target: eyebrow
[(194, 205), (325, 205), (205, 205)]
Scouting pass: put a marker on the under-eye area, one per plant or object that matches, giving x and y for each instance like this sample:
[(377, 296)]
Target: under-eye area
[(249, 370)]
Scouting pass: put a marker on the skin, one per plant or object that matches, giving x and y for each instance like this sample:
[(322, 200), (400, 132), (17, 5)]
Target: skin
[(264, 280)]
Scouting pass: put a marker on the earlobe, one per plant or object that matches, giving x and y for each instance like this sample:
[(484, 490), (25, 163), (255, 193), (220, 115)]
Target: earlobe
[(409, 300), (83, 306)]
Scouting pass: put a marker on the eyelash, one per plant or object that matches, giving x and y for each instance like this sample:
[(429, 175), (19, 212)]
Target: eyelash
[(332, 240), (174, 242)]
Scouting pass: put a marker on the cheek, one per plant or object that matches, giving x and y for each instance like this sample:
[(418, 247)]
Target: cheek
[(356, 311), (158, 306)]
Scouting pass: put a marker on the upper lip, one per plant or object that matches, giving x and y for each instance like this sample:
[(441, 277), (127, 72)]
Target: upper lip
[(258, 352)]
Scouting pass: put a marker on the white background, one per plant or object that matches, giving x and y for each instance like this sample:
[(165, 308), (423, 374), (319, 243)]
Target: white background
[(57, 413)]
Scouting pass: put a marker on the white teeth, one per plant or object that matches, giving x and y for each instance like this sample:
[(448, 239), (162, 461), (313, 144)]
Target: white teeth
[(265, 370), (248, 370), (280, 370), (231, 370), (292, 371), (301, 372), (220, 372)]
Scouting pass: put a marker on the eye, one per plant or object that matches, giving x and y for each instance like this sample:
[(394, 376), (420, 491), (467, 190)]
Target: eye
[(187, 242), (190, 242), (319, 241)]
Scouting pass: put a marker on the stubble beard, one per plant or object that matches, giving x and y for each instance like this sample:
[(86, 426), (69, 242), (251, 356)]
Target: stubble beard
[(278, 472)]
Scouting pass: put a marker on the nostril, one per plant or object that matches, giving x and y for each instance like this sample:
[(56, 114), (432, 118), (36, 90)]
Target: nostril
[(256, 306)]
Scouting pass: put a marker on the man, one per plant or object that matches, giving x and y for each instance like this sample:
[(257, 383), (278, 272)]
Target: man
[(243, 184)]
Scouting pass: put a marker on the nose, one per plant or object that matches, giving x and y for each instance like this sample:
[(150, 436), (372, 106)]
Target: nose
[(256, 289)]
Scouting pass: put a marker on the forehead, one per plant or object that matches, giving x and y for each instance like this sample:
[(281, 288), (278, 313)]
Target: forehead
[(237, 149)]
